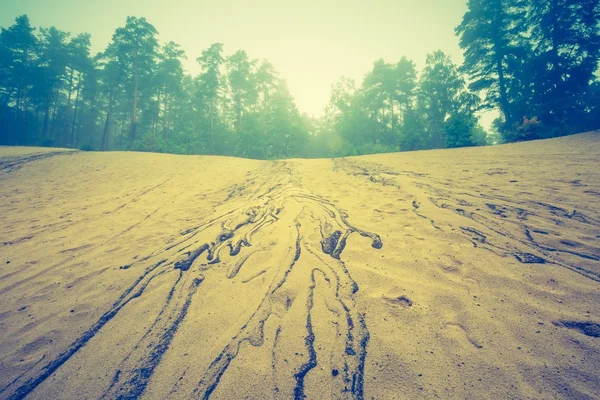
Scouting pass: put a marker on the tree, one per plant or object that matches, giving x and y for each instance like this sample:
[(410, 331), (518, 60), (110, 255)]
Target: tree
[(439, 88), (266, 80), (91, 104), (591, 113), (79, 64), (241, 83), (388, 92), (342, 111), (565, 36), (287, 134), (491, 34), (169, 78), (19, 46), (134, 46), (209, 83), (111, 88), (136, 95), (412, 133), (54, 57), (404, 87), (459, 130), (378, 90)]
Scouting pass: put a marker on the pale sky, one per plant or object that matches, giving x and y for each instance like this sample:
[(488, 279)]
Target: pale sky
[(312, 43)]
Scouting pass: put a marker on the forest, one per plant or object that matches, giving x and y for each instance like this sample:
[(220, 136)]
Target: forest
[(535, 62)]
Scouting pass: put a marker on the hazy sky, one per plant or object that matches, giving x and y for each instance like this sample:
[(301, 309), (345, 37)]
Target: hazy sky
[(310, 42)]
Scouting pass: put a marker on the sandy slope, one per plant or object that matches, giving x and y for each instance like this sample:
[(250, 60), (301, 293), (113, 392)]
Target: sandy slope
[(469, 273)]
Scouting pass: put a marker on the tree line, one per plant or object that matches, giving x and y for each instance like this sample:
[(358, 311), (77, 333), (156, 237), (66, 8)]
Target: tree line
[(136, 95), (534, 61), (537, 62)]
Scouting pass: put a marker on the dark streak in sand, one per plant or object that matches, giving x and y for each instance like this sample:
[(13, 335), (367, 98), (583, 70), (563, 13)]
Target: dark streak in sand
[(136, 369)]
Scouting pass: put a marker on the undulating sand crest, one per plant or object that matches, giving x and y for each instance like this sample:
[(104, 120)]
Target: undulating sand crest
[(465, 273)]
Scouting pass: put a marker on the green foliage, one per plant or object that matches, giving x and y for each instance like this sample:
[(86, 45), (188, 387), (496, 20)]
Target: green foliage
[(439, 89), (534, 61), (490, 34), (494, 136), (534, 58), (460, 130), (412, 132), (135, 95), (86, 147), (18, 47), (393, 110), (528, 129), (479, 137)]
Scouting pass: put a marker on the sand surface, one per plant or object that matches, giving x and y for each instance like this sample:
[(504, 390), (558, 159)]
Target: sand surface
[(468, 273)]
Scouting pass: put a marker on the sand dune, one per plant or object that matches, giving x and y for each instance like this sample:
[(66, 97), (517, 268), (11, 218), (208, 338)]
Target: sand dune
[(468, 273)]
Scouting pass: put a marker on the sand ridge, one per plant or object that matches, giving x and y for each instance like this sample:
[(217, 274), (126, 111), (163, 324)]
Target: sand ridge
[(467, 273)]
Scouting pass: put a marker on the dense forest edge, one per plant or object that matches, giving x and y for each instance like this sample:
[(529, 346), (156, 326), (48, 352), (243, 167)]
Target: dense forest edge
[(535, 62)]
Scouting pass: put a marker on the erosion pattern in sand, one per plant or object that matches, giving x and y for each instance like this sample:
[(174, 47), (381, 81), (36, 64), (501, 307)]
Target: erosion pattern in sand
[(470, 273)]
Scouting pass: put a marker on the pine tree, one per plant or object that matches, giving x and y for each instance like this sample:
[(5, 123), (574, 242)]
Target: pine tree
[(439, 87), (566, 40), (209, 83), (491, 36), (135, 48), (19, 46)]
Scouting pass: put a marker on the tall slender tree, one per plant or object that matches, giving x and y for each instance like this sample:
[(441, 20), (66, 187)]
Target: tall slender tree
[(135, 47), (111, 87), (439, 87), (54, 57), (241, 81), (80, 64), (19, 47), (209, 83), (565, 36), (491, 34), (169, 78)]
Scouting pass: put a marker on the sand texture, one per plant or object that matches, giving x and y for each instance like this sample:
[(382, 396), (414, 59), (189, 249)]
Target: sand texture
[(468, 273)]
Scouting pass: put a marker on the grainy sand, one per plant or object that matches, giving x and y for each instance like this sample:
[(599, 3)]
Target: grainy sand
[(468, 273)]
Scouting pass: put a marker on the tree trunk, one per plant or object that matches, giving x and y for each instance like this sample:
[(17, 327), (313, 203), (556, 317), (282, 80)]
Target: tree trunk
[(392, 107), (212, 127), (25, 115), (79, 125), (75, 112), (53, 119), (134, 111), (46, 117), (122, 133), (91, 126), (37, 120), (68, 110), (70, 90), (166, 117), (265, 121), (107, 126), (555, 57), (156, 118), (18, 108), (239, 113), (504, 104)]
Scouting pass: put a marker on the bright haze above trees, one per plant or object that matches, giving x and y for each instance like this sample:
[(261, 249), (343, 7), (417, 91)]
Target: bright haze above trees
[(534, 62)]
